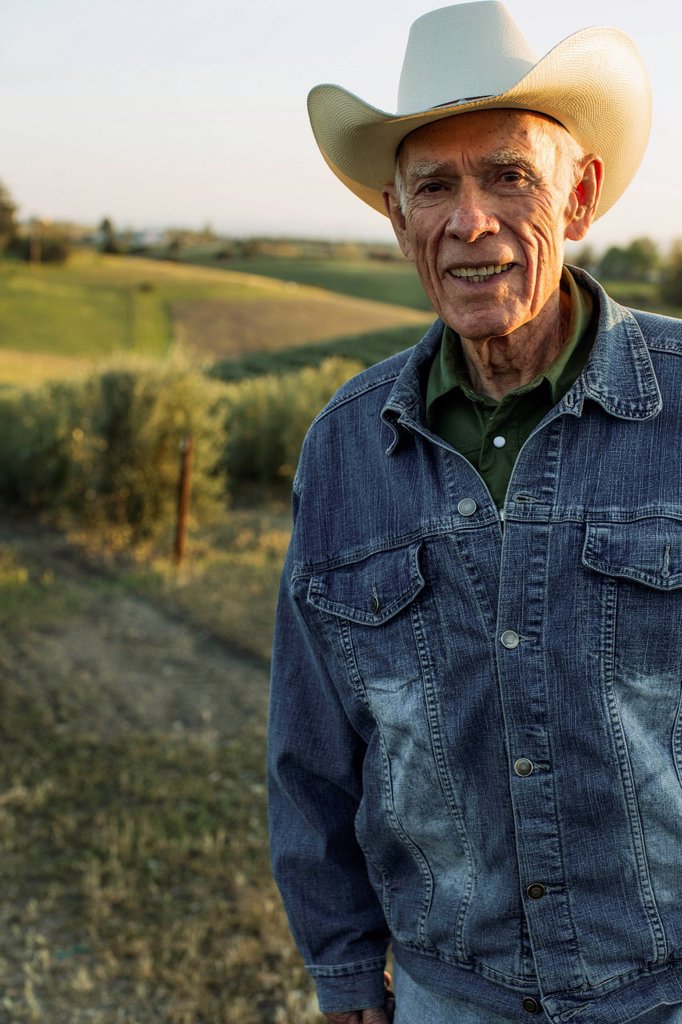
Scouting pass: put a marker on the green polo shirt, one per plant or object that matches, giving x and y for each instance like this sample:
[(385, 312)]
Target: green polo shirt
[(490, 433)]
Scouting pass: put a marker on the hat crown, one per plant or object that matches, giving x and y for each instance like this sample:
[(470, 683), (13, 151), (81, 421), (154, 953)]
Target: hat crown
[(461, 52)]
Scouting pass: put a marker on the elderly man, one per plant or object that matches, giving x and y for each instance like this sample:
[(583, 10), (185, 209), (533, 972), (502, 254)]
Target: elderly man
[(476, 716)]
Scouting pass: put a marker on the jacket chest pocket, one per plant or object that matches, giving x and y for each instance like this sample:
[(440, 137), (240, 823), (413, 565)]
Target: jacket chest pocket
[(641, 566), (366, 612)]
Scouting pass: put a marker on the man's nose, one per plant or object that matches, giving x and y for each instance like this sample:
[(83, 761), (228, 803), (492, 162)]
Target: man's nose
[(471, 217)]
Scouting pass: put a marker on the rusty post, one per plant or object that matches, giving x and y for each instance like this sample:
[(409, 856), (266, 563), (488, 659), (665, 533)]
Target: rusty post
[(184, 491)]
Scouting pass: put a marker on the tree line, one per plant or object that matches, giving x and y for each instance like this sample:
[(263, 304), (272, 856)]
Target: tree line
[(641, 261)]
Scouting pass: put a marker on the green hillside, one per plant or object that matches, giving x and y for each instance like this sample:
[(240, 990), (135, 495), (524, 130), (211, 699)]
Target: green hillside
[(395, 282), (97, 305)]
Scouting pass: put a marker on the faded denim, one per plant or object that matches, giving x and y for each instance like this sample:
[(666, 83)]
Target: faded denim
[(476, 732), (416, 1004)]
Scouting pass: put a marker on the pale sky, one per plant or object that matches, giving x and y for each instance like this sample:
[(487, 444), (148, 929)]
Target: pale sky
[(161, 112)]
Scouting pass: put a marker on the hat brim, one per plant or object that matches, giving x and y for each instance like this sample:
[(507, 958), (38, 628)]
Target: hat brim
[(594, 83)]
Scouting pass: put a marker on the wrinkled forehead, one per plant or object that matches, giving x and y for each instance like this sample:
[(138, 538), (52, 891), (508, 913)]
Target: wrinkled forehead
[(478, 130)]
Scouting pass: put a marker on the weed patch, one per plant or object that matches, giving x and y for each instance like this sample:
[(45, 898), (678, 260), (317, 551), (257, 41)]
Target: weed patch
[(153, 858)]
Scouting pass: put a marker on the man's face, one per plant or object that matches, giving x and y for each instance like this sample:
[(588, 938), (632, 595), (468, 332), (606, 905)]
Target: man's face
[(491, 191)]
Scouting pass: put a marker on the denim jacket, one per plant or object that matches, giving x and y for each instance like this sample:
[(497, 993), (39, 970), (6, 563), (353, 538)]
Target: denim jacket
[(476, 717)]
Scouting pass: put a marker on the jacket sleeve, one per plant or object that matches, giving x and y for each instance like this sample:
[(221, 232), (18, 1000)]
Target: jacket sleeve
[(315, 776)]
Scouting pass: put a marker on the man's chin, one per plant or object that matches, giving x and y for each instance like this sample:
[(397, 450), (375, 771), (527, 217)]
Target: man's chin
[(481, 328), (484, 314)]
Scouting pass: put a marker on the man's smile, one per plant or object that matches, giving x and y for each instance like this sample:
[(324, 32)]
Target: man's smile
[(477, 274)]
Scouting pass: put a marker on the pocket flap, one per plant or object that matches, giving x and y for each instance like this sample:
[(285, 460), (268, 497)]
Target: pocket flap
[(370, 591), (648, 551)]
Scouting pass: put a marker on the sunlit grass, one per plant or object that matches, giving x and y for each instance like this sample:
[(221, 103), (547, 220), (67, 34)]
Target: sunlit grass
[(96, 305), (135, 869)]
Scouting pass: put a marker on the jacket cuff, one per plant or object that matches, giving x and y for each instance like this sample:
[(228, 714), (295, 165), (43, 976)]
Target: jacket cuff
[(345, 987)]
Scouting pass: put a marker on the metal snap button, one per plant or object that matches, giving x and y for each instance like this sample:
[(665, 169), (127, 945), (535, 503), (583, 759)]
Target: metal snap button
[(510, 639), (536, 890), (499, 441), (531, 1005), (467, 507), (523, 767)]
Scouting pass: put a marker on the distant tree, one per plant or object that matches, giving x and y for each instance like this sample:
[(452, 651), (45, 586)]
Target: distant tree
[(44, 244), (586, 258), (108, 238), (174, 248), (638, 261), (8, 220), (644, 257), (671, 279), (613, 264)]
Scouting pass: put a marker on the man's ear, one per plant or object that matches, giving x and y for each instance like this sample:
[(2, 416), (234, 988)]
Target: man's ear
[(392, 203), (584, 198)]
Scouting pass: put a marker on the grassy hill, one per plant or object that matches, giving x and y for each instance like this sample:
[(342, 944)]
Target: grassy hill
[(394, 282), (54, 320), (244, 316)]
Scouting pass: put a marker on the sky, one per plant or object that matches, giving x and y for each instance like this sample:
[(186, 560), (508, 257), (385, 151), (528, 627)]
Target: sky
[(165, 113)]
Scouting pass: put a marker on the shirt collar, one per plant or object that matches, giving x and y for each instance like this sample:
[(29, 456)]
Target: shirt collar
[(619, 374), (449, 369)]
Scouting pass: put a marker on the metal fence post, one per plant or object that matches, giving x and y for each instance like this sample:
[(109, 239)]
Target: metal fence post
[(184, 492)]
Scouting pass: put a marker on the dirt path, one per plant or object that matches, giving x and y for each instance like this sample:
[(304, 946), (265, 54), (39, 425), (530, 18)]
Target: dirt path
[(110, 662), (104, 663)]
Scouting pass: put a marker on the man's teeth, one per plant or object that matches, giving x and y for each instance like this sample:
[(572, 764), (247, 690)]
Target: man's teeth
[(477, 274)]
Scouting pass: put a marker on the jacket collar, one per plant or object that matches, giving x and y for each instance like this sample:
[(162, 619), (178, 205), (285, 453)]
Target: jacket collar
[(619, 374)]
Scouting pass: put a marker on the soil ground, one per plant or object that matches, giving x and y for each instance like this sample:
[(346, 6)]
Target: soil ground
[(111, 662), (103, 663)]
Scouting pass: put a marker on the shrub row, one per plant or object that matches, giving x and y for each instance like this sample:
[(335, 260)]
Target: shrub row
[(105, 451), (267, 418)]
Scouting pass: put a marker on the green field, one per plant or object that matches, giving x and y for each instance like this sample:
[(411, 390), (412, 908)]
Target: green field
[(88, 307), (393, 282), (97, 305)]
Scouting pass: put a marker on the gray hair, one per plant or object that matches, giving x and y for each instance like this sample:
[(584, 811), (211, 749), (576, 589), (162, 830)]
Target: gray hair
[(400, 186)]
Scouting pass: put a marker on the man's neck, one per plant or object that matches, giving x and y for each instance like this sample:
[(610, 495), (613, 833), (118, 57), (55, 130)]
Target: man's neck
[(501, 364)]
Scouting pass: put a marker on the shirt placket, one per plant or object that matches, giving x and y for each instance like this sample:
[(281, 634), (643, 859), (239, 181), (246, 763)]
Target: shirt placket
[(499, 440)]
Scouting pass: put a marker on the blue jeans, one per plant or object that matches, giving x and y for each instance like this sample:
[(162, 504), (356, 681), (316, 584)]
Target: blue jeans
[(416, 1004)]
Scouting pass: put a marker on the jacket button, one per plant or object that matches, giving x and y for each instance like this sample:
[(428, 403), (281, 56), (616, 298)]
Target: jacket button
[(523, 767), (467, 507), (531, 1005), (536, 891), (374, 605), (510, 639)]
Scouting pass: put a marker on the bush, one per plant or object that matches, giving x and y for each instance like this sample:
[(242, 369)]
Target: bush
[(52, 249), (268, 417), (106, 450)]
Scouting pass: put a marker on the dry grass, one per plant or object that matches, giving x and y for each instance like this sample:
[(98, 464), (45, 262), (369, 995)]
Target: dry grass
[(135, 870), (296, 315), (27, 368)]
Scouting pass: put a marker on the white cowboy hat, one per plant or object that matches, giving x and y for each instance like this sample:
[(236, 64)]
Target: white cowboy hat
[(473, 57)]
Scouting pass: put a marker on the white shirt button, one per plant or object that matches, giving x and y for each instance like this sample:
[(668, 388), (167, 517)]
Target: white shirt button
[(499, 441)]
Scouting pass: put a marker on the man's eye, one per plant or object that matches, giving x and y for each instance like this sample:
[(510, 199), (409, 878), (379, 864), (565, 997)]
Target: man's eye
[(512, 177), (431, 187)]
